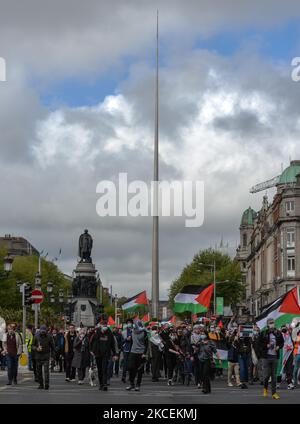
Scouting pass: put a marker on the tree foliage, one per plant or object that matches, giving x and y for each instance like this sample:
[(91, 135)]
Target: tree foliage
[(24, 270), (200, 272)]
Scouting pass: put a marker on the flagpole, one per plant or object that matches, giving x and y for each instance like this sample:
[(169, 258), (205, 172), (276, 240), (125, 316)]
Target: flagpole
[(155, 233)]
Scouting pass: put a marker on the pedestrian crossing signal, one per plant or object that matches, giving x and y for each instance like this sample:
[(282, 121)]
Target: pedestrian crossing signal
[(27, 295)]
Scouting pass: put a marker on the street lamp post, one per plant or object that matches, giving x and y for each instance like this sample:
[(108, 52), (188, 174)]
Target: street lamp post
[(116, 309), (38, 283)]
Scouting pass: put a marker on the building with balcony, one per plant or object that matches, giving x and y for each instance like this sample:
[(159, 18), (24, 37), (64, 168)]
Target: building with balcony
[(269, 250)]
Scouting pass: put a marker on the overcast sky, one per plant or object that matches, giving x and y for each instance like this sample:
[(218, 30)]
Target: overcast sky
[(78, 108)]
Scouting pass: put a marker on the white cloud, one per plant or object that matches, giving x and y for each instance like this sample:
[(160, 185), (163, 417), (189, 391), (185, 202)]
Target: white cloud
[(227, 121)]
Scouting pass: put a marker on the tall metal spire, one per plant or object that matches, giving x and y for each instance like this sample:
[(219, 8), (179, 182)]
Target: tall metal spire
[(155, 234)]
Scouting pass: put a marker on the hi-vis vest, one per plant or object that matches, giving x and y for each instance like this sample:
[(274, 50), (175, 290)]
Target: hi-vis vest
[(28, 341)]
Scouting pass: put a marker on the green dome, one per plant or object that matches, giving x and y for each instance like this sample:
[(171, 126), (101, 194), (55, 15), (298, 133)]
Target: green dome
[(289, 174), (248, 216)]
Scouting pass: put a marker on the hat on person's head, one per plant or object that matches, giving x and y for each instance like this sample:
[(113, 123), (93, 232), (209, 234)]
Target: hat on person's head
[(43, 327)]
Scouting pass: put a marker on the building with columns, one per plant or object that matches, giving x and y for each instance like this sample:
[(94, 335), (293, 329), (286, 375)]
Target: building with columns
[(269, 250)]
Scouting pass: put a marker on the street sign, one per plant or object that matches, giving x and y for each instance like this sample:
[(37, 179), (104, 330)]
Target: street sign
[(220, 305), (37, 296)]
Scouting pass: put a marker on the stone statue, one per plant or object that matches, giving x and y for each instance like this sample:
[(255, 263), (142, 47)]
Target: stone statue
[(85, 247)]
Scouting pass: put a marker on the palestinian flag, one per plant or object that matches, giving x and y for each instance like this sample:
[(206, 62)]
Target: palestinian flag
[(283, 310), (111, 321), (146, 318), (194, 299), (136, 302)]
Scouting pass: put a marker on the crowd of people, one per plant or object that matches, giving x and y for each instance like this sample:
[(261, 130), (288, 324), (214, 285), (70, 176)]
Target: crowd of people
[(179, 354)]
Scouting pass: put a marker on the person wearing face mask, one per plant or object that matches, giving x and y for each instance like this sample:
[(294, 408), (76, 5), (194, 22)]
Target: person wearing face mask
[(69, 353), (206, 351), (156, 349), (126, 346), (81, 358), (256, 373), (137, 356), (43, 346), (103, 346), (12, 348), (270, 342), (195, 343), (287, 359), (171, 352), (232, 343)]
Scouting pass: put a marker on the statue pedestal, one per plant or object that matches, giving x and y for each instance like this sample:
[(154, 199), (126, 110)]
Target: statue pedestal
[(84, 312), (84, 294)]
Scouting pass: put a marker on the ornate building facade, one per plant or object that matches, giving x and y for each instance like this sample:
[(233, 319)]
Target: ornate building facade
[(269, 250)]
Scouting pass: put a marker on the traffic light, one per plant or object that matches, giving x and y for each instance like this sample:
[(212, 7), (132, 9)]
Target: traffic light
[(27, 294)]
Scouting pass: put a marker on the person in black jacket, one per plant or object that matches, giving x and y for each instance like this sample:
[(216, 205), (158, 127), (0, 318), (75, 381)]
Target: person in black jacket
[(270, 342), (43, 346), (102, 347), (232, 343)]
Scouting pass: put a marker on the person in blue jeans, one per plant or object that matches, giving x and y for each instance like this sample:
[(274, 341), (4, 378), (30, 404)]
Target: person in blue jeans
[(126, 346), (244, 351), (13, 347)]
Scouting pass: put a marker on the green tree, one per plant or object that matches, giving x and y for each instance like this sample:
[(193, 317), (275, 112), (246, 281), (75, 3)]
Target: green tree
[(200, 272), (24, 270)]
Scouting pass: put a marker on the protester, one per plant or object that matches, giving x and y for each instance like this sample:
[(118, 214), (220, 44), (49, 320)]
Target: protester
[(28, 342), (206, 351), (81, 358), (156, 348), (103, 347), (270, 342), (12, 349), (43, 346), (60, 350), (137, 356), (69, 353), (296, 354), (126, 346), (232, 342), (171, 352), (287, 359)]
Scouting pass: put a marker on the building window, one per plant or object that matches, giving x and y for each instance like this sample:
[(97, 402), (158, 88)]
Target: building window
[(290, 237), (244, 240), (291, 266), (290, 206)]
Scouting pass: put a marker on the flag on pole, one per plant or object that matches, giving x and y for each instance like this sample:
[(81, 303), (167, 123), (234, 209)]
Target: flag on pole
[(136, 302), (172, 320), (283, 310), (111, 321), (146, 318), (195, 299)]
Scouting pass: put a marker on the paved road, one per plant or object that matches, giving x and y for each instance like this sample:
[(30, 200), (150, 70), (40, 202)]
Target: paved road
[(151, 393)]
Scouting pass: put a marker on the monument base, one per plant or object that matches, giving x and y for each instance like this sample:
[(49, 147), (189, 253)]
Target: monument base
[(84, 312)]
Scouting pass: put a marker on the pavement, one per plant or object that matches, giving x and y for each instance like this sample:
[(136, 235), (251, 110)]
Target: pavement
[(61, 392)]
